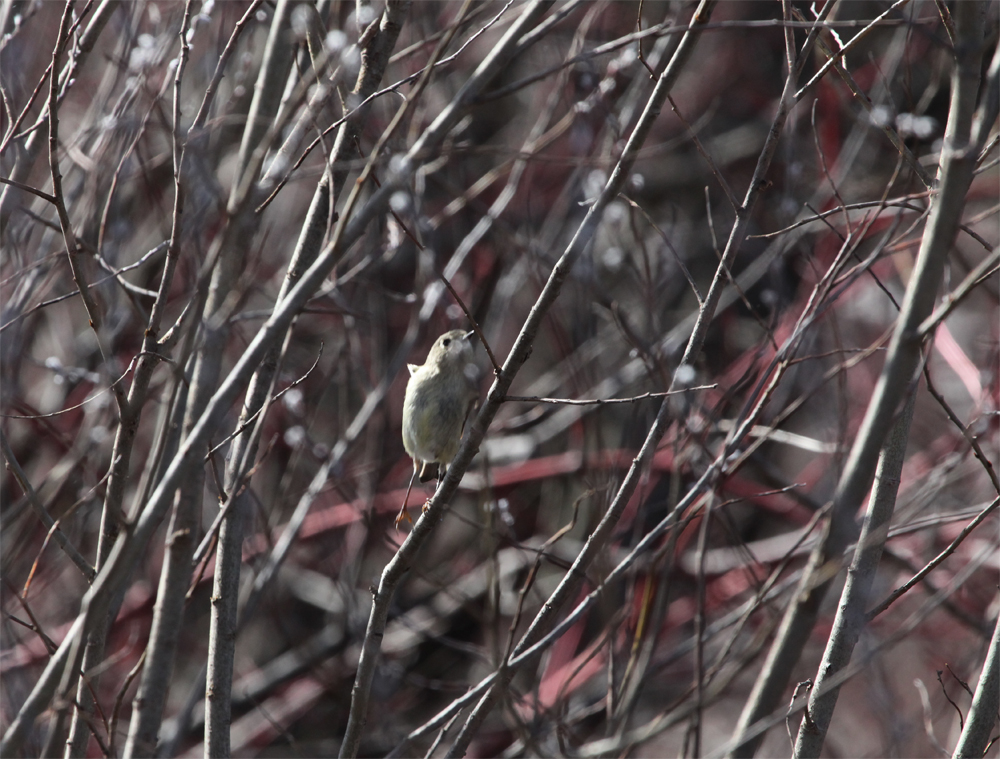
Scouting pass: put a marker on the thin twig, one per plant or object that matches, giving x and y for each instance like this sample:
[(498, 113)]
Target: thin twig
[(870, 26), (888, 129), (730, 195), (986, 268), (28, 188), (277, 396), (969, 438), (677, 257), (602, 401), (933, 563), (50, 524), (472, 320), (69, 237)]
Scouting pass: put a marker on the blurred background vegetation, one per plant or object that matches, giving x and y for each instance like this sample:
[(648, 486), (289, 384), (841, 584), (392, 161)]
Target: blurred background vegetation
[(531, 153)]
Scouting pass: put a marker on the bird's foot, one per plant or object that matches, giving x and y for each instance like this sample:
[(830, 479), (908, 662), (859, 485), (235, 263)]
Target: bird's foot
[(402, 516)]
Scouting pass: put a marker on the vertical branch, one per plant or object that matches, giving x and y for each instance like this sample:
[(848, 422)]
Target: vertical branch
[(153, 347), (850, 620), (223, 626), (181, 537), (80, 730), (65, 224)]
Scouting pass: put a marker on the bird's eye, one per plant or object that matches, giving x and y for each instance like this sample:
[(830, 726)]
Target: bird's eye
[(446, 342)]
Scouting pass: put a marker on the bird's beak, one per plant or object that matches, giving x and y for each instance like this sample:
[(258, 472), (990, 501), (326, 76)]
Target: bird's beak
[(470, 334)]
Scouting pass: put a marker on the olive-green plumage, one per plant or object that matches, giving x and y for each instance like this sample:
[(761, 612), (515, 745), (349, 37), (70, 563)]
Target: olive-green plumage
[(437, 402)]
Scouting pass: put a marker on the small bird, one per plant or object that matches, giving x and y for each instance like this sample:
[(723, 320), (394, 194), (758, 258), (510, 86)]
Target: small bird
[(439, 397)]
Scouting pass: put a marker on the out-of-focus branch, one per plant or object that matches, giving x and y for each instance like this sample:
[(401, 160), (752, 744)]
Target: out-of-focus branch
[(153, 346), (220, 70), (82, 564), (525, 649), (501, 55), (130, 414), (490, 196)]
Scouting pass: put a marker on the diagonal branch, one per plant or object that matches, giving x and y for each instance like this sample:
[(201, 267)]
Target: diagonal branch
[(897, 373)]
